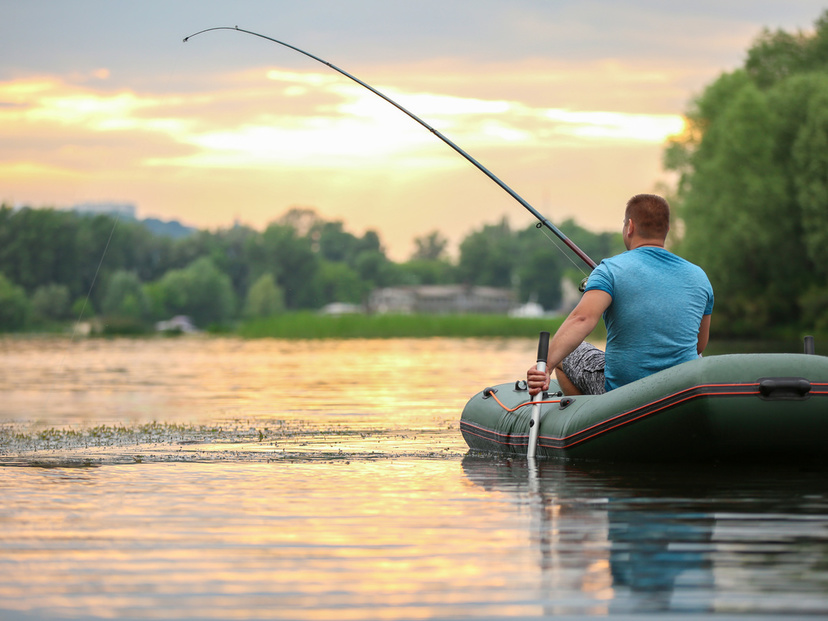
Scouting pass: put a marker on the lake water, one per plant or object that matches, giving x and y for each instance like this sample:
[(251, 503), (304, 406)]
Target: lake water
[(216, 478)]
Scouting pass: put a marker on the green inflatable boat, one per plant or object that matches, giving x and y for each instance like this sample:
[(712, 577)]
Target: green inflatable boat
[(740, 407)]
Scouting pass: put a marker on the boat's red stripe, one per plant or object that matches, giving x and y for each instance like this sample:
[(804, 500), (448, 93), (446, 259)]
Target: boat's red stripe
[(645, 414), (624, 418), (653, 406)]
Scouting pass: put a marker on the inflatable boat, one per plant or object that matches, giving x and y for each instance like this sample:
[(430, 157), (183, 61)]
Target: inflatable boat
[(739, 407)]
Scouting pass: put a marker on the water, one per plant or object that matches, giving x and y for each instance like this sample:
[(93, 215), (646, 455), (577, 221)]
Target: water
[(223, 479)]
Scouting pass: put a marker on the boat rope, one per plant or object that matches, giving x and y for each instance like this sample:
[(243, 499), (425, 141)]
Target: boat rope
[(517, 407), (542, 221)]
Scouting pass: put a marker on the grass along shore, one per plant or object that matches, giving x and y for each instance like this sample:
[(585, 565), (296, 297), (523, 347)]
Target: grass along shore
[(309, 325)]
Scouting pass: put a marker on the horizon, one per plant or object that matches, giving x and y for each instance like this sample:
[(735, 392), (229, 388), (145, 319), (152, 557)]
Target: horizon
[(569, 104)]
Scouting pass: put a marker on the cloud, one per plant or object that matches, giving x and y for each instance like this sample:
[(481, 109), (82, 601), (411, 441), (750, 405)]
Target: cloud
[(567, 101)]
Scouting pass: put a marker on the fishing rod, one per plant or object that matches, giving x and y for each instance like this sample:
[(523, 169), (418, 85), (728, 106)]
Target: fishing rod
[(542, 221)]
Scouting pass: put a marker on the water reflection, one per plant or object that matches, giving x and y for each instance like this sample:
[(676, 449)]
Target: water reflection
[(350, 496), (670, 540)]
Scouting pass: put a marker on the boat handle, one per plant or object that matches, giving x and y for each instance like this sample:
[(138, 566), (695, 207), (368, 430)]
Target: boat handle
[(784, 388)]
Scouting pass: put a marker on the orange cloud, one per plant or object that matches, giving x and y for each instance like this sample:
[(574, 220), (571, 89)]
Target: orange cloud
[(265, 139)]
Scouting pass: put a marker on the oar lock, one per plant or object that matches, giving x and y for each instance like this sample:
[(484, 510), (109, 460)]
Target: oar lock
[(521, 386)]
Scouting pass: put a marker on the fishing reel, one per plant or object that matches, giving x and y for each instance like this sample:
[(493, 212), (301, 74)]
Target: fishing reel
[(582, 286)]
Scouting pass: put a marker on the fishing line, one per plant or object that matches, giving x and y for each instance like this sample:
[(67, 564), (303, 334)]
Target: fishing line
[(95, 277), (542, 220), (562, 251)]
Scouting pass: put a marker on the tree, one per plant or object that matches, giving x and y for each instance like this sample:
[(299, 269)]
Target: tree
[(38, 246), (810, 176), (431, 247), (264, 299), (200, 290), (427, 272), (14, 306), (338, 282), (540, 270), (374, 268), (303, 220), (753, 191), (292, 261), (489, 256), (125, 297), (51, 302)]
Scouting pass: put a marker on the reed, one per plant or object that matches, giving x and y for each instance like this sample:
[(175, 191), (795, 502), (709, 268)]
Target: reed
[(308, 325)]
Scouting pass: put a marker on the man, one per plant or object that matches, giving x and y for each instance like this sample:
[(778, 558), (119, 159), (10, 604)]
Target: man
[(656, 307)]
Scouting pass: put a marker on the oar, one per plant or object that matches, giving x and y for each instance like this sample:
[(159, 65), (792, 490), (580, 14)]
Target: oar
[(534, 424)]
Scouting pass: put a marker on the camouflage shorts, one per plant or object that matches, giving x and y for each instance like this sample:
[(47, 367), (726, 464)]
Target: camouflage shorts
[(585, 368)]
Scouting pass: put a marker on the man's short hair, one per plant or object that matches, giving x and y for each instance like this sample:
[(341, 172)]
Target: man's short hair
[(651, 214)]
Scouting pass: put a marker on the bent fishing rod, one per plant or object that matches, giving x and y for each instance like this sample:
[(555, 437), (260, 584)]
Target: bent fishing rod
[(542, 221)]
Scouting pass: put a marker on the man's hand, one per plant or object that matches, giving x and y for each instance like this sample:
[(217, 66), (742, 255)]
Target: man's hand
[(537, 381)]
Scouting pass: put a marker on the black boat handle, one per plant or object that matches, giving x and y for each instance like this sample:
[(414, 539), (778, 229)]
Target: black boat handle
[(784, 388)]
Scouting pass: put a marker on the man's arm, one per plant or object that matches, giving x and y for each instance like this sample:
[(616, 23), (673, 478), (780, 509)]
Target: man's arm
[(704, 333), (575, 328)]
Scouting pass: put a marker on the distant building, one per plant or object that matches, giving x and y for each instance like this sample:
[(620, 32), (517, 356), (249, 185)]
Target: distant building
[(178, 324), (530, 309), (124, 210), (441, 299), (341, 308), (128, 211)]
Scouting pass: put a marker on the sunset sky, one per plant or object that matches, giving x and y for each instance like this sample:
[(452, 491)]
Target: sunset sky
[(568, 102)]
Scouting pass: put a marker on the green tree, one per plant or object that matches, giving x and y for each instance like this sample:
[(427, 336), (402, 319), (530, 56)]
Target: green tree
[(427, 272), (334, 243), (810, 160), (489, 256), (51, 302), (264, 299), (339, 283), (15, 308), (125, 297), (38, 246), (753, 194), (200, 290), (810, 177), (540, 270), (375, 269), (292, 261), (431, 247)]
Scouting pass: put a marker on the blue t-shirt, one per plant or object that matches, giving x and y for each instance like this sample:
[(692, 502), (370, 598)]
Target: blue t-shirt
[(658, 300)]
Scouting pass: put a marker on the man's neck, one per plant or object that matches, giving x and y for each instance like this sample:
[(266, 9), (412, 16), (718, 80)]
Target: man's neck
[(646, 242)]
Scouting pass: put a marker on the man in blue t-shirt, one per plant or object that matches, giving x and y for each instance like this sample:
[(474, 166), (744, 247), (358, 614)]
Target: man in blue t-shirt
[(656, 307)]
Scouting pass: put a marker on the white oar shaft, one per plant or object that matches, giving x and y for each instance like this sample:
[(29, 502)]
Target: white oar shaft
[(534, 422)]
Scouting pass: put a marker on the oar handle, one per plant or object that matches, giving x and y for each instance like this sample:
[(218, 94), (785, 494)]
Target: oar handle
[(543, 350), (534, 423)]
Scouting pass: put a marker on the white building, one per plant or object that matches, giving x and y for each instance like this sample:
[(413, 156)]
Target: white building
[(441, 299)]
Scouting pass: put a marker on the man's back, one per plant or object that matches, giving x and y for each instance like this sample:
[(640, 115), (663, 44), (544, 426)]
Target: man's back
[(658, 300)]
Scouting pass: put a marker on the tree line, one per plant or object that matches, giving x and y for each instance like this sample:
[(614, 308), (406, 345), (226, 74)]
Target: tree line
[(753, 190), (58, 265), (751, 208)]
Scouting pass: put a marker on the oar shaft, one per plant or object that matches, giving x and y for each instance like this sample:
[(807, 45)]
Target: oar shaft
[(534, 423), (545, 222)]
